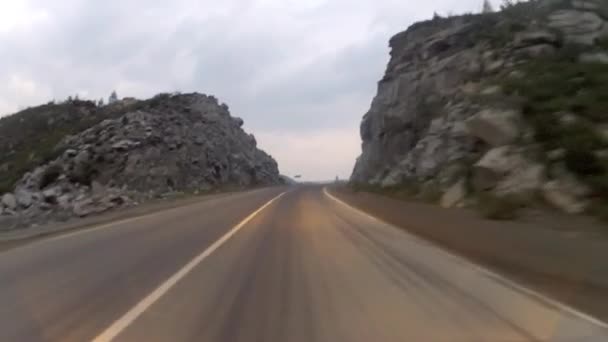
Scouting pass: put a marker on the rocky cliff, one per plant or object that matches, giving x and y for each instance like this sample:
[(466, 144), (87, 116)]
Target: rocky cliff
[(511, 103), (143, 149)]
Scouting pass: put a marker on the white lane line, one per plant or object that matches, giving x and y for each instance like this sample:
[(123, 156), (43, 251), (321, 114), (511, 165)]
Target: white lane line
[(510, 283), (123, 322)]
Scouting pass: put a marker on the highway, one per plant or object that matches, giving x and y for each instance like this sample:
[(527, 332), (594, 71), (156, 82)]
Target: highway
[(277, 264)]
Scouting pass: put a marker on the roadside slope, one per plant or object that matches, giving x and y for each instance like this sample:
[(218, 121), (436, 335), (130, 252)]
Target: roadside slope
[(147, 149)]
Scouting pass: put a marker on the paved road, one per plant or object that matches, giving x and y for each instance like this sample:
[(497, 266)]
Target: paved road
[(254, 267)]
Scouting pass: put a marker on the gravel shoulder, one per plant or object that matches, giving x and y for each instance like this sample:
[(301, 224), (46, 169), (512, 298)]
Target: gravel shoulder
[(560, 255), (18, 237)]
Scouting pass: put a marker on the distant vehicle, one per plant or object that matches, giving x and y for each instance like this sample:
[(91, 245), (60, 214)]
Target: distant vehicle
[(297, 176)]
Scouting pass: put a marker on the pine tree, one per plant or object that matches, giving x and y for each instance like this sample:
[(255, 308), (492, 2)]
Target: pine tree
[(487, 7), (113, 97)]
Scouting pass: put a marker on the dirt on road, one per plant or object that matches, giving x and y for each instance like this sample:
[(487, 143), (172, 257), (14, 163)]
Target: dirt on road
[(559, 255)]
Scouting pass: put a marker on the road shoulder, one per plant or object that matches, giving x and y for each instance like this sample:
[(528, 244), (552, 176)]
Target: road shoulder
[(19, 237), (564, 264)]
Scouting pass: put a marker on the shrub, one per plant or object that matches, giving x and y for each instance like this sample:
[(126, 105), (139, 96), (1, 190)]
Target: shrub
[(557, 84), (499, 207), (583, 162), (599, 209), (5, 186), (430, 192), (28, 138), (599, 184)]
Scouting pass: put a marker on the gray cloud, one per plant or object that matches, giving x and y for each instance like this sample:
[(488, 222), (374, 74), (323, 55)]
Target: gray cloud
[(294, 69)]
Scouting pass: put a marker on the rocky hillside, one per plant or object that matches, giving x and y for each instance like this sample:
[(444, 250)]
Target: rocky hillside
[(121, 154), (510, 104)]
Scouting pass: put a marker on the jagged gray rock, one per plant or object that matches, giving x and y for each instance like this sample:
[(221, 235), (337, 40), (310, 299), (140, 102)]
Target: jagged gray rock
[(588, 5), (169, 144), (594, 57), (580, 27), (495, 127), (442, 104), (9, 201), (24, 198), (563, 196)]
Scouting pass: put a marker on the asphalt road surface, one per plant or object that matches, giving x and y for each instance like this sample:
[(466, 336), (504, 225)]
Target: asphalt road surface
[(268, 265)]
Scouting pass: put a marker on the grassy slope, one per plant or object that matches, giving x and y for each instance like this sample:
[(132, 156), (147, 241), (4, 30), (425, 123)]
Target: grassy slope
[(29, 138)]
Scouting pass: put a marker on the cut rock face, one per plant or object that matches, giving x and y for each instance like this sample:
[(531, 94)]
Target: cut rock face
[(580, 27), (463, 91), (168, 144), (495, 127), (505, 171)]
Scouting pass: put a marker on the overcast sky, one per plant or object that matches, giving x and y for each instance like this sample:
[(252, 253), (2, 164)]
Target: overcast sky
[(301, 73)]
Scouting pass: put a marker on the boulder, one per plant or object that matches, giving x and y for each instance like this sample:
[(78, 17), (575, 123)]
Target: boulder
[(586, 5), (567, 118), (495, 127), (538, 37), (505, 171), (64, 201), (492, 90), (492, 167), (83, 207), (580, 27), (494, 66), (536, 51), (569, 182), (454, 195), (24, 198), (70, 153), (523, 181), (392, 179), (97, 189), (594, 57), (556, 154), (558, 195), (124, 145), (9, 201), (50, 195)]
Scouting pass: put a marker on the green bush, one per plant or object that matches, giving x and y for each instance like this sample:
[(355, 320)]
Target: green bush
[(499, 208), (599, 209), (561, 84), (430, 193), (558, 84), (583, 162), (599, 184)]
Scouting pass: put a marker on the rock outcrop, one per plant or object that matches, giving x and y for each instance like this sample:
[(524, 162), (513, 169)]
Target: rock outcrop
[(501, 99), (171, 143)]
